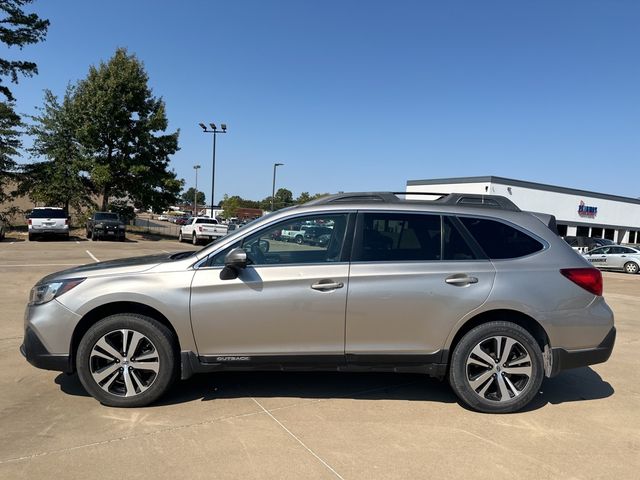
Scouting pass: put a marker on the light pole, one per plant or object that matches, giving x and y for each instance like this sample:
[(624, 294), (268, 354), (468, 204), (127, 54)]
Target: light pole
[(215, 132), (195, 195), (273, 188)]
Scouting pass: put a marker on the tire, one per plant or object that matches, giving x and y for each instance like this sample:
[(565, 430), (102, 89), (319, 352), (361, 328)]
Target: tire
[(631, 267), (299, 239), (495, 380), (122, 238), (88, 234), (31, 237), (94, 237), (144, 383), (180, 239), (194, 239)]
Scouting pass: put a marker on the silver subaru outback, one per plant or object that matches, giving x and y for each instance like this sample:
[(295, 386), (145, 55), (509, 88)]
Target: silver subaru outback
[(465, 287)]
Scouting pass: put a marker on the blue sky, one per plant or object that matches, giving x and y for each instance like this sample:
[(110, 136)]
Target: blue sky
[(355, 95)]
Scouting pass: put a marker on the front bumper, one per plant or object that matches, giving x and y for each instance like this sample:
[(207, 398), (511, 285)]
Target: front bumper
[(37, 354), (566, 359)]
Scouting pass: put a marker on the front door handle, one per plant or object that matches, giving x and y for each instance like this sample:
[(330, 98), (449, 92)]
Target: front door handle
[(460, 281), (324, 285)]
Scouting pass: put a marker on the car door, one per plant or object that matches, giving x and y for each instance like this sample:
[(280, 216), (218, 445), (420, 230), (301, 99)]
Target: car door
[(290, 300), (617, 257), (413, 276), (599, 257)]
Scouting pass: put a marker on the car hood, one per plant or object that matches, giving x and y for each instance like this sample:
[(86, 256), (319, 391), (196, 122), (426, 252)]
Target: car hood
[(121, 266)]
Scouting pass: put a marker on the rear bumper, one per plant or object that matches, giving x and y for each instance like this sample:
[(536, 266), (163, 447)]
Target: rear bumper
[(37, 354), (49, 231), (566, 359)]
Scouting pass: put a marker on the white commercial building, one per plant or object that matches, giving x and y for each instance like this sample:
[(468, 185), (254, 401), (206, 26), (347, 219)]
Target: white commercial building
[(578, 212)]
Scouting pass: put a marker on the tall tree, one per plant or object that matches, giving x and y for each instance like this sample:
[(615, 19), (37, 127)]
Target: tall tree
[(9, 144), (17, 29), (122, 129), (187, 197), (283, 198), (60, 178)]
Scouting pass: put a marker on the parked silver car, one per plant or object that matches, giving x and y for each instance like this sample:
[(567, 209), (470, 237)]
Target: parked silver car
[(615, 257), (467, 288)]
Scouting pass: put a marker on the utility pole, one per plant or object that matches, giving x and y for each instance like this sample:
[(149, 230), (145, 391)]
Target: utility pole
[(195, 195), (215, 132), (273, 187)]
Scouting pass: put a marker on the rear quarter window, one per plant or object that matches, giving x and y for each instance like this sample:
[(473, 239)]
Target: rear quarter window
[(499, 240)]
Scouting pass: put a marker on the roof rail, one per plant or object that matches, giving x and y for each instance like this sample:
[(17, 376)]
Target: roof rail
[(466, 199)]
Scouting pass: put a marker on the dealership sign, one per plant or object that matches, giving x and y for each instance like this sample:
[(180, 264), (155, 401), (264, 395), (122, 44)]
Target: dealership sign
[(586, 210)]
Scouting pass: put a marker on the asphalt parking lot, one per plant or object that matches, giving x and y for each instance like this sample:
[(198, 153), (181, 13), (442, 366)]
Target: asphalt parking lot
[(584, 424)]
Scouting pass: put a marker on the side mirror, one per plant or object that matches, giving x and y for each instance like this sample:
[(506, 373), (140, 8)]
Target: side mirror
[(264, 245), (234, 261)]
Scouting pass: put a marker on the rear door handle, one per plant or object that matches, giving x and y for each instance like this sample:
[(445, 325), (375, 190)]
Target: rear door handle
[(324, 285), (460, 281)]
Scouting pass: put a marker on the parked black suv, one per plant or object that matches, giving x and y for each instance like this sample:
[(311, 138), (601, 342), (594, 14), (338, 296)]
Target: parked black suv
[(106, 225)]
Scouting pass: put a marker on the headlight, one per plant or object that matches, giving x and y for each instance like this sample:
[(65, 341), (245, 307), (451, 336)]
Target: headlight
[(48, 291)]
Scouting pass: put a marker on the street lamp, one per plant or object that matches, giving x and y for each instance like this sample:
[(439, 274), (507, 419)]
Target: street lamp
[(273, 188), (195, 195), (213, 129)]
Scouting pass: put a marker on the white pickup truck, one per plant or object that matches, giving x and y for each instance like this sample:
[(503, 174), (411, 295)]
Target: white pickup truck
[(201, 229)]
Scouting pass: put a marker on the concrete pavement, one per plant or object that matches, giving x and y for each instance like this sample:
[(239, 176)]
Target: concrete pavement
[(584, 424)]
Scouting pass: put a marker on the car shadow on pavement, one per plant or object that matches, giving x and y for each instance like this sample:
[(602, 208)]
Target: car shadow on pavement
[(309, 385), (571, 386)]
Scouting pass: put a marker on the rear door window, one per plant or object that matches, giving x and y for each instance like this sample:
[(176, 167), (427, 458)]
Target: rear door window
[(393, 237), (499, 240)]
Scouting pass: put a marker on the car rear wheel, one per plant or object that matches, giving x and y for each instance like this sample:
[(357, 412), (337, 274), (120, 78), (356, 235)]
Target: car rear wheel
[(194, 239), (127, 360), (631, 267), (496, 368), (180, 239), (299, 239)]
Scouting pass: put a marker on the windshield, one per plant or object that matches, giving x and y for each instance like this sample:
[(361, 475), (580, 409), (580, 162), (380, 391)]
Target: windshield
[(107, 216)]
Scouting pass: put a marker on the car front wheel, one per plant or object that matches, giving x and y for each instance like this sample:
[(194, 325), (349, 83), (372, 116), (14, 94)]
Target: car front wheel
[(194, 239), (496, 368), (127, 360)]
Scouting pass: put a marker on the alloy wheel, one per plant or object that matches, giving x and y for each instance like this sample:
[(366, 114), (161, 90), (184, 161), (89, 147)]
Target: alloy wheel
[(124, 363), (498, 368)]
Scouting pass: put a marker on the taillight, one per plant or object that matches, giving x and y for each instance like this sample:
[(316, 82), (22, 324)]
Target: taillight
[(29, 221), (588, 278), (200, 229), (66, 221)]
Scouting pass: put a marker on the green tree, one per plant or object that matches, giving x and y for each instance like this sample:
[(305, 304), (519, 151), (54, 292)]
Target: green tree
[(187, 197), (121, 130), (304, 197), (61, 178), (230, 206), (283, 198), (9, 144), (17, 29)]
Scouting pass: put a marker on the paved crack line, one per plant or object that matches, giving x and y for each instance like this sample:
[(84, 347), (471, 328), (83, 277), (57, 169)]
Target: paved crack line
[(92, 255), (298, 440)]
